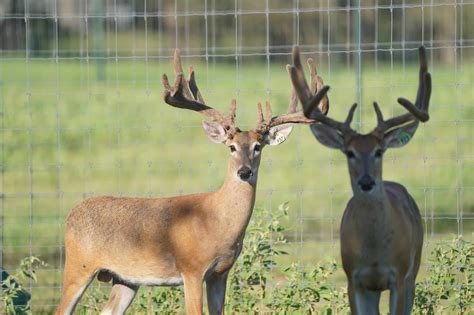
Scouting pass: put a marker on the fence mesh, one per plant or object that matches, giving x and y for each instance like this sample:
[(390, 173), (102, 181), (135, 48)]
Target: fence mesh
[(82, 112)]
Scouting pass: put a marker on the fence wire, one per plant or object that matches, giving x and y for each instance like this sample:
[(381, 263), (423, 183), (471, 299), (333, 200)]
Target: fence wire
[(82, 113)]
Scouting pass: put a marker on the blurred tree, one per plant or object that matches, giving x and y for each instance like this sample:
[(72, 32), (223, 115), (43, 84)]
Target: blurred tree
[(396, 24)]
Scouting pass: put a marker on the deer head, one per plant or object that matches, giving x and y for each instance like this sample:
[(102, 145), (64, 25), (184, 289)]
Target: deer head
[(364, 152), (245, 146)]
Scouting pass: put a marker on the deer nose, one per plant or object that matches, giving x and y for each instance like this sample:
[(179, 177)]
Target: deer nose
[(244, 172), (366, 183)]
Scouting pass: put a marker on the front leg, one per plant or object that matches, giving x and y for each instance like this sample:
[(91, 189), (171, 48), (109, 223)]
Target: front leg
[(366, 301), (397, 298), (216, 286), (193, 294), (351, 294), (409, 294)]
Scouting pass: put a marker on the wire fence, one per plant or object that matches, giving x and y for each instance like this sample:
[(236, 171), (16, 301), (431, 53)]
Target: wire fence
[(82, 113)]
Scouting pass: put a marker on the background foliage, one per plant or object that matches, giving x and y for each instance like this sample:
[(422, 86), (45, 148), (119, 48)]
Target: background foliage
[(259, 284)]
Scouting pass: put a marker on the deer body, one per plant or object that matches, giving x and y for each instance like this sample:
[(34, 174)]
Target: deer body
[(183, 240), (381, 230), (169, 237), (196, 236), (381, 244), (381, 227), (159, 242)]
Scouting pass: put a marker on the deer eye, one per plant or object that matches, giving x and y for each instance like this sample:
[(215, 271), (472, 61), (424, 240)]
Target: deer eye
[(350, 154), (257, 148), (378, 153), (232, 148)]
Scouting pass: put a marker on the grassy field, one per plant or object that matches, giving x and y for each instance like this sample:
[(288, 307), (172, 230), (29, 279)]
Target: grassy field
[(67, 136)]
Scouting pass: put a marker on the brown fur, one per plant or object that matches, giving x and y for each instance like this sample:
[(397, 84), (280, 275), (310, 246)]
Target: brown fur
[(194, 237), (381, 232)]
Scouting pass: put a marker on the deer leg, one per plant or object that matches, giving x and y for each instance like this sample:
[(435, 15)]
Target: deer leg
[(216, 286), (393, 300), (410, 282), (409, 294), (351, 293), (397, 299), (193, 294), (120, 298), (74, 285), (374, 300), (366, 301)]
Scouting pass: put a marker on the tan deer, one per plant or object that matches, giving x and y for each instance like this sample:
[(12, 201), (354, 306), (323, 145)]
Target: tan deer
[(178, 240), (381, 230)]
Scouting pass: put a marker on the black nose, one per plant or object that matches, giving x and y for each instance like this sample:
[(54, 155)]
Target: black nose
[(244, 172), (366, 183)]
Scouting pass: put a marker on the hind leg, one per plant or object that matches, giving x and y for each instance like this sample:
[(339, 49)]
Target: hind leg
[(120, 298), (75, 283)]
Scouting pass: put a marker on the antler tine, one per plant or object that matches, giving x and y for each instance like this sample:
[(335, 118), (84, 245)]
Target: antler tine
[(298, 79), (292, 115), (233, 109), (300, 90), (259, 115), (313, 73), (312, 108), (317, 84), (193, 86), (177, 61), (379, 114), (165, 82), (345, 127), (307, 97), (297, 117), (423, 85), (185, 94), (324, 104), (264, 126), (350, 116), (293, 102), (420, 109), (293, 98), (178, 71), (310, 103), (268, 111), (383, 125), (417, 111)]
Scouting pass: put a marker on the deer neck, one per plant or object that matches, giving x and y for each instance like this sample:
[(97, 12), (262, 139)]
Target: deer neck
[(233, 202), (370, 216), (375, 205)]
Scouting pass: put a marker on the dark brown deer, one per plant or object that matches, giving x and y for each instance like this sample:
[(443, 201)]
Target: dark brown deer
[(381, 230)]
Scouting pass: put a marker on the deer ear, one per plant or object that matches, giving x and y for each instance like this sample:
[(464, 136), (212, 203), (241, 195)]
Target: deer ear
[(214, 131), (278, 134), (400, 136), (327, 136)]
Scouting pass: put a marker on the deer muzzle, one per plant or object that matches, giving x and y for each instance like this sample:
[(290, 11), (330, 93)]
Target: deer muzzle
[(244, 173), (366, 183)]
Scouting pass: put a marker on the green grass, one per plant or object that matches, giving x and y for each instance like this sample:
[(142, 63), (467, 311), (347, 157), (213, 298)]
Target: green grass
[(82, 137)]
